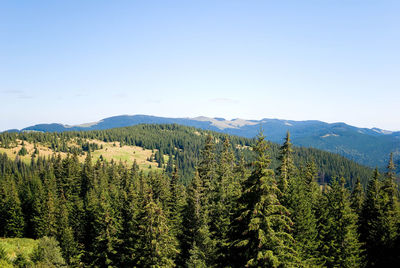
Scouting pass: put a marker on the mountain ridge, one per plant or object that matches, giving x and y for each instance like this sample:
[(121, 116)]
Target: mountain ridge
[(368, 146)]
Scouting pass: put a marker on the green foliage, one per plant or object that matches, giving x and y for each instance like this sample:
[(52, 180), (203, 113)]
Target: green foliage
[(5, 264), (286, 168), (357, 198), (23, 151), (12, 219), (300, 202), (184, 144), (21, 261), (158, 245), (223, 202), (340, 246), (48, 253), (233, 213), (17, 246), (3, 255), (197, 243), (266, 240)]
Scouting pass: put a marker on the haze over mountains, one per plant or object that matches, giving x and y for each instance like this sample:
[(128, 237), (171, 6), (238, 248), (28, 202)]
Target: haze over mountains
[(366, 146)]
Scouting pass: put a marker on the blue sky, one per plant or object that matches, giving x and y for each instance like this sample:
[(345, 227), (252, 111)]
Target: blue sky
[(80, 61)]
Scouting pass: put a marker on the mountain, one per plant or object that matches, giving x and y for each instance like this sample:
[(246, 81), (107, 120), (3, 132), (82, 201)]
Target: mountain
[(153, 145), (366, 146)]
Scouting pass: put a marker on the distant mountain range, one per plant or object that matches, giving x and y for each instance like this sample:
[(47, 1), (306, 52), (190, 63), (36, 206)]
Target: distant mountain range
[(366, 146)]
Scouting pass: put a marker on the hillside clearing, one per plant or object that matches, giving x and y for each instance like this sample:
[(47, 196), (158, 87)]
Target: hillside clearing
[(108, 151)]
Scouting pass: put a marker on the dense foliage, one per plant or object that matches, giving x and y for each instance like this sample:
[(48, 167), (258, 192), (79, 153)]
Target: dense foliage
[(370, 147), (184, 145), (232, 213)]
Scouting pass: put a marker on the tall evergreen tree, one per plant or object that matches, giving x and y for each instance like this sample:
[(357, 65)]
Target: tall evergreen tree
[(371, 222), (286, 168), (12, 219), (38, 221), (129, 248), (227, 190), (207, 167), (65, 234), (176, 206), (86, 176), (300, 204), (102, 236), (50, 211), (357, 198), (340, 246), (391, 216), (264, 224), (158, 245), (197, 244)]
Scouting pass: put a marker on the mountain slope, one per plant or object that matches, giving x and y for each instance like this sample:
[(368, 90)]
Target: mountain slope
[(366, 146), (181, 143)]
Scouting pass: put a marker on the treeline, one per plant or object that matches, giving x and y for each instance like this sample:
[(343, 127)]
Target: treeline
[(233, 213), (183, 145)]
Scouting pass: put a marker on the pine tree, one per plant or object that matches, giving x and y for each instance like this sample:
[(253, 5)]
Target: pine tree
[(300, 204), (129, 249), (227, 190), (197, 258), (157, 244), (12, 219), (207, 167), (177, 203), (241, 170), (391, 216), (357, 198), (86, 176), (50, 209), (286, 169), (205, 186), (340, 246), (264, 224), (38, 222), (196, 243), (371, 222), (103, 227), (65, 234)]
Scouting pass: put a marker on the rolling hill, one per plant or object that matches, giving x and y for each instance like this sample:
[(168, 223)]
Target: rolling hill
[(151, 146), (366, 146)]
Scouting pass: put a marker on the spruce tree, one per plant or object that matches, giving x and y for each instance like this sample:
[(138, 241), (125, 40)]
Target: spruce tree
[(391, 216), (158, 247), (65, 234), (86, 176), (196, 243), (340, 245), (102, 238), (207, 167), (129, 250), (176, 206), (357, 198), (371, 222), (38, 221), (51, 210), (12, 219), (300, 204), (227, 190), (264, 225), (286, 168)]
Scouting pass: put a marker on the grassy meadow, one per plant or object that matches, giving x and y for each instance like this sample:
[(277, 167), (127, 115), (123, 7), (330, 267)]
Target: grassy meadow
[(107, 150)]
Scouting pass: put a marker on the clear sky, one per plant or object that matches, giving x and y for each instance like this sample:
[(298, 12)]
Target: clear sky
[(80, 61)]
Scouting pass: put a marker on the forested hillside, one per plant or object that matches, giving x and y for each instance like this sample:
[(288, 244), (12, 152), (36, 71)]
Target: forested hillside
[(366, 146), (234, 212), (174, 142)]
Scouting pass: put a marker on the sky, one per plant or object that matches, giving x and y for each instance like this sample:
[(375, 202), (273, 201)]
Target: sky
[(75, 62)]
